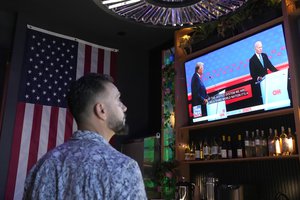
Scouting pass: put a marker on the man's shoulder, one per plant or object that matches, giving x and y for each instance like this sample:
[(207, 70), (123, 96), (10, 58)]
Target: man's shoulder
[(253, 57), (264, 55), (119, 159), (195, 77), (92, 153)]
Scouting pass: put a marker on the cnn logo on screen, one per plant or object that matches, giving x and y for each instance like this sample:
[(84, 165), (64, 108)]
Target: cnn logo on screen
[(276, 92)]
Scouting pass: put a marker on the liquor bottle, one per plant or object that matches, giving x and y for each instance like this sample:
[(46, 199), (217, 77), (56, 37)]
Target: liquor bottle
[(214, 149), (291, 142), (192, 151), (283, 142), (197, 150), (219, 142), (252, 144), (258, 149), (206, 150), (229, 147), (201, 151), (248, 149), (187, 152), (277, 143), (224, 147), (239, 147), (264, 144), (271, 143)]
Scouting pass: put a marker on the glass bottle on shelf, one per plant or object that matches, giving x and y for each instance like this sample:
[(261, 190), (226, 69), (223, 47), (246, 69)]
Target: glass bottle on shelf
[(264, 144), (187, 152), (291, 142), (229, 147), (271, 143), (239, 147), (224, 147), (258, 146), (219, 142), (192, 151), (248, 149), (214, 149), (197, 150), (206, 150), (252, 144), (201, 151), (277, 143), (283, 142)]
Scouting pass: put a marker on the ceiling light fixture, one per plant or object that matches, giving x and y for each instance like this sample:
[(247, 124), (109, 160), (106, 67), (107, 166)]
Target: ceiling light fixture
[(170, 12)]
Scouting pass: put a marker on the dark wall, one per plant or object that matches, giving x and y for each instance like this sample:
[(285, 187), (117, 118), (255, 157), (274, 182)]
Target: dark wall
[(132, 81), (7, 25), (155, 86), (3, 60)]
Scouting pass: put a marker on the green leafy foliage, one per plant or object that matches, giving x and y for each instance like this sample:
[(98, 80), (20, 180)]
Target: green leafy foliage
[(229, 24), (168, 74), (165, 176)]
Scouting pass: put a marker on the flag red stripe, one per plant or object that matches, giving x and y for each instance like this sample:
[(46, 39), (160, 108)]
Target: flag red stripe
[(113, 64), (69, 125), (15, 151), (100, 61), (53, 127), (35, 136), (87, 59)]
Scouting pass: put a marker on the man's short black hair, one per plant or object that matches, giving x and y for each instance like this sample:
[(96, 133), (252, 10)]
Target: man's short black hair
[(83, 90)]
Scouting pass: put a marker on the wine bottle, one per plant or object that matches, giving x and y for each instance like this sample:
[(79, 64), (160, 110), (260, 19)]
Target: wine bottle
[(277, 143), (197, 150), (201, 151), (224, 147), (248, 149), (206, 150), (187, 152), (258, 149), (283, 142), (229, 147), (252, 144), (264, 144), (192, 151), (219, 141), (239, 147), (214, 149), (291, 142), (271, 143)]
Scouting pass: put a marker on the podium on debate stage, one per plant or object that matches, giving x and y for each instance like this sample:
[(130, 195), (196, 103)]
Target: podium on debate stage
[(274, 90), (217, 110)]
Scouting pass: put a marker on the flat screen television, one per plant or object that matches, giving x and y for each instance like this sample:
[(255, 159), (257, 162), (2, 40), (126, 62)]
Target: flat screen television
[(233, 89)]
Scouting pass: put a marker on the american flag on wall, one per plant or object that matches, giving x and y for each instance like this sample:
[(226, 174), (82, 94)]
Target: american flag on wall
[(51, 62)]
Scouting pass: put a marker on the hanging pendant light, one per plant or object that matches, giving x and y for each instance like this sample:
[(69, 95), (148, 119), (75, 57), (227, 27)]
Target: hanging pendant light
[(170, 13)]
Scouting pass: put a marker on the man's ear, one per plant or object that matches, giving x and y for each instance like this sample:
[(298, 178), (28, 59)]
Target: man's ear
[(99, 110)]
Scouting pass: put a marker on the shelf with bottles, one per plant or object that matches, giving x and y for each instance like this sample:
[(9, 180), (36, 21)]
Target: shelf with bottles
[(257, 140)]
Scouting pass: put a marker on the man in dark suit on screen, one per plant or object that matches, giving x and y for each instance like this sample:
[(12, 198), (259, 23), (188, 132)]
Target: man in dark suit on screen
[(199, 94), (259, 64)]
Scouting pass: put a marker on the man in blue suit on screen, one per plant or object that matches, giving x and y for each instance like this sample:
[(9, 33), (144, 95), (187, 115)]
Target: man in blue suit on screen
[(199, 94), (259, 64)]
